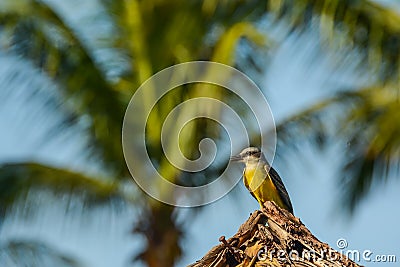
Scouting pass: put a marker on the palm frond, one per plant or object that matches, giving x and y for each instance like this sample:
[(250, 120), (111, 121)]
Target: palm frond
[(365, 121), (39, 34), (372, 29), (17, 179), (373, 140), (16, 253)]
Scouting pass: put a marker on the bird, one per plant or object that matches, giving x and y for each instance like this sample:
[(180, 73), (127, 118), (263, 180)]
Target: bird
[(261, 179)]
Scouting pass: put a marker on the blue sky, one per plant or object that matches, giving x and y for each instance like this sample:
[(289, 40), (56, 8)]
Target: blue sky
[(102, 237)]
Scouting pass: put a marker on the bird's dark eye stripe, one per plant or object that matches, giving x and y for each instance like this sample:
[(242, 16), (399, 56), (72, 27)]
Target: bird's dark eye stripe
[(250, 153)]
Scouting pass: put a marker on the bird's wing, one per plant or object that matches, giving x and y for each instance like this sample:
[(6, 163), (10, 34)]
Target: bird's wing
[(280, 187), (247, 185)]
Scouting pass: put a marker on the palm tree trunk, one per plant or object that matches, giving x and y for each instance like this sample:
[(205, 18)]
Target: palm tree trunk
[(162, 233)]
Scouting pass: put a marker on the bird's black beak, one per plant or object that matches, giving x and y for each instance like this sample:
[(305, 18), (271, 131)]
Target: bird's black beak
[(235, 158)]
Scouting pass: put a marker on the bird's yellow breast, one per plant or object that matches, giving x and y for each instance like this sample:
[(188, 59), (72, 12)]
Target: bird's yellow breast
[(260, 184)]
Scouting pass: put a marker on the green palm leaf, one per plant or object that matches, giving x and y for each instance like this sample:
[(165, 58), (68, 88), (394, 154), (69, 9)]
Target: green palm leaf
[(39, 34), (366, 121), (366, 26), (33, 254), (16, 179)]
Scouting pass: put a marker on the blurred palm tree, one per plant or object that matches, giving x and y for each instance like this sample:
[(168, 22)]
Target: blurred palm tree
[(148, 36), (151, 35)]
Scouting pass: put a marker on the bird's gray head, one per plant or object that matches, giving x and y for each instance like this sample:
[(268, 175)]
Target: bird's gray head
[(248, 155)]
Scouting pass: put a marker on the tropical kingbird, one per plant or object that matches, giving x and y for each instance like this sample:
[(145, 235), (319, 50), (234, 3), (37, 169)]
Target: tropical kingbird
[(262, 180)]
